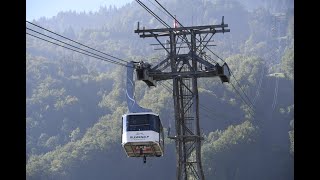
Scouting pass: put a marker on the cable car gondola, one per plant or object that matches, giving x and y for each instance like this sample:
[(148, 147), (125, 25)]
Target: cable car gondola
[(142, 131), (142, 134)]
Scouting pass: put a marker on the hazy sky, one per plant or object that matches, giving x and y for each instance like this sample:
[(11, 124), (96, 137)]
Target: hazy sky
[(48, 8)]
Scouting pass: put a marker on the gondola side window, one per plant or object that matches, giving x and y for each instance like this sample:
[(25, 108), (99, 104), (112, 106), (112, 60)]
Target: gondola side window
[(155, 123)]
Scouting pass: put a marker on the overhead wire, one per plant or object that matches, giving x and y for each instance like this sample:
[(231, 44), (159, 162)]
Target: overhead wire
[(259, 86), (159, 8), (233, 77), (159, 19), (252, 105), (153, 14), (114, 62), (169, 13), (76, 42), (243, 91), (243, 100), (110, 60), (175, 19)]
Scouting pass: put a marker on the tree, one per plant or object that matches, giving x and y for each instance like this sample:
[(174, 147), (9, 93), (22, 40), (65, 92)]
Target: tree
[(75, 134), (287, 63)]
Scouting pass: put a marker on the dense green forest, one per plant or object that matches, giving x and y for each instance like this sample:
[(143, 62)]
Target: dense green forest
[(74, 102)]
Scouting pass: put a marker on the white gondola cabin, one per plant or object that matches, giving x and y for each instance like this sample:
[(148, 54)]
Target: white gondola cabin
[(142, 135)]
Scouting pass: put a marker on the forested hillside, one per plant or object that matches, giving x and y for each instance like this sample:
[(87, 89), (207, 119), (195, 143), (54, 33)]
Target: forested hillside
[(74, 102)]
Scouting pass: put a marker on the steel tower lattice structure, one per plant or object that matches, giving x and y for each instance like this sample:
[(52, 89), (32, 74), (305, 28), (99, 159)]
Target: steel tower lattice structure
[(184, 68)]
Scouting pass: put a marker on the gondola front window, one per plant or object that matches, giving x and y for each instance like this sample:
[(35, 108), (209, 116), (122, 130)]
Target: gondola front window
[(144, 122)]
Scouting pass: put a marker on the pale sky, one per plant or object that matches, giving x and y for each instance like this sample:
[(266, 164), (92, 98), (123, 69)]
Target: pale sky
[(48, 8)]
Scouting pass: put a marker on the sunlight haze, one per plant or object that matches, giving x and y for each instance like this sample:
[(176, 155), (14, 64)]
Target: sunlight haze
[(36, 9)]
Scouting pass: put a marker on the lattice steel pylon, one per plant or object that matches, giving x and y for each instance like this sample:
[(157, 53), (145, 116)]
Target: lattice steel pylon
[(184, 68)]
